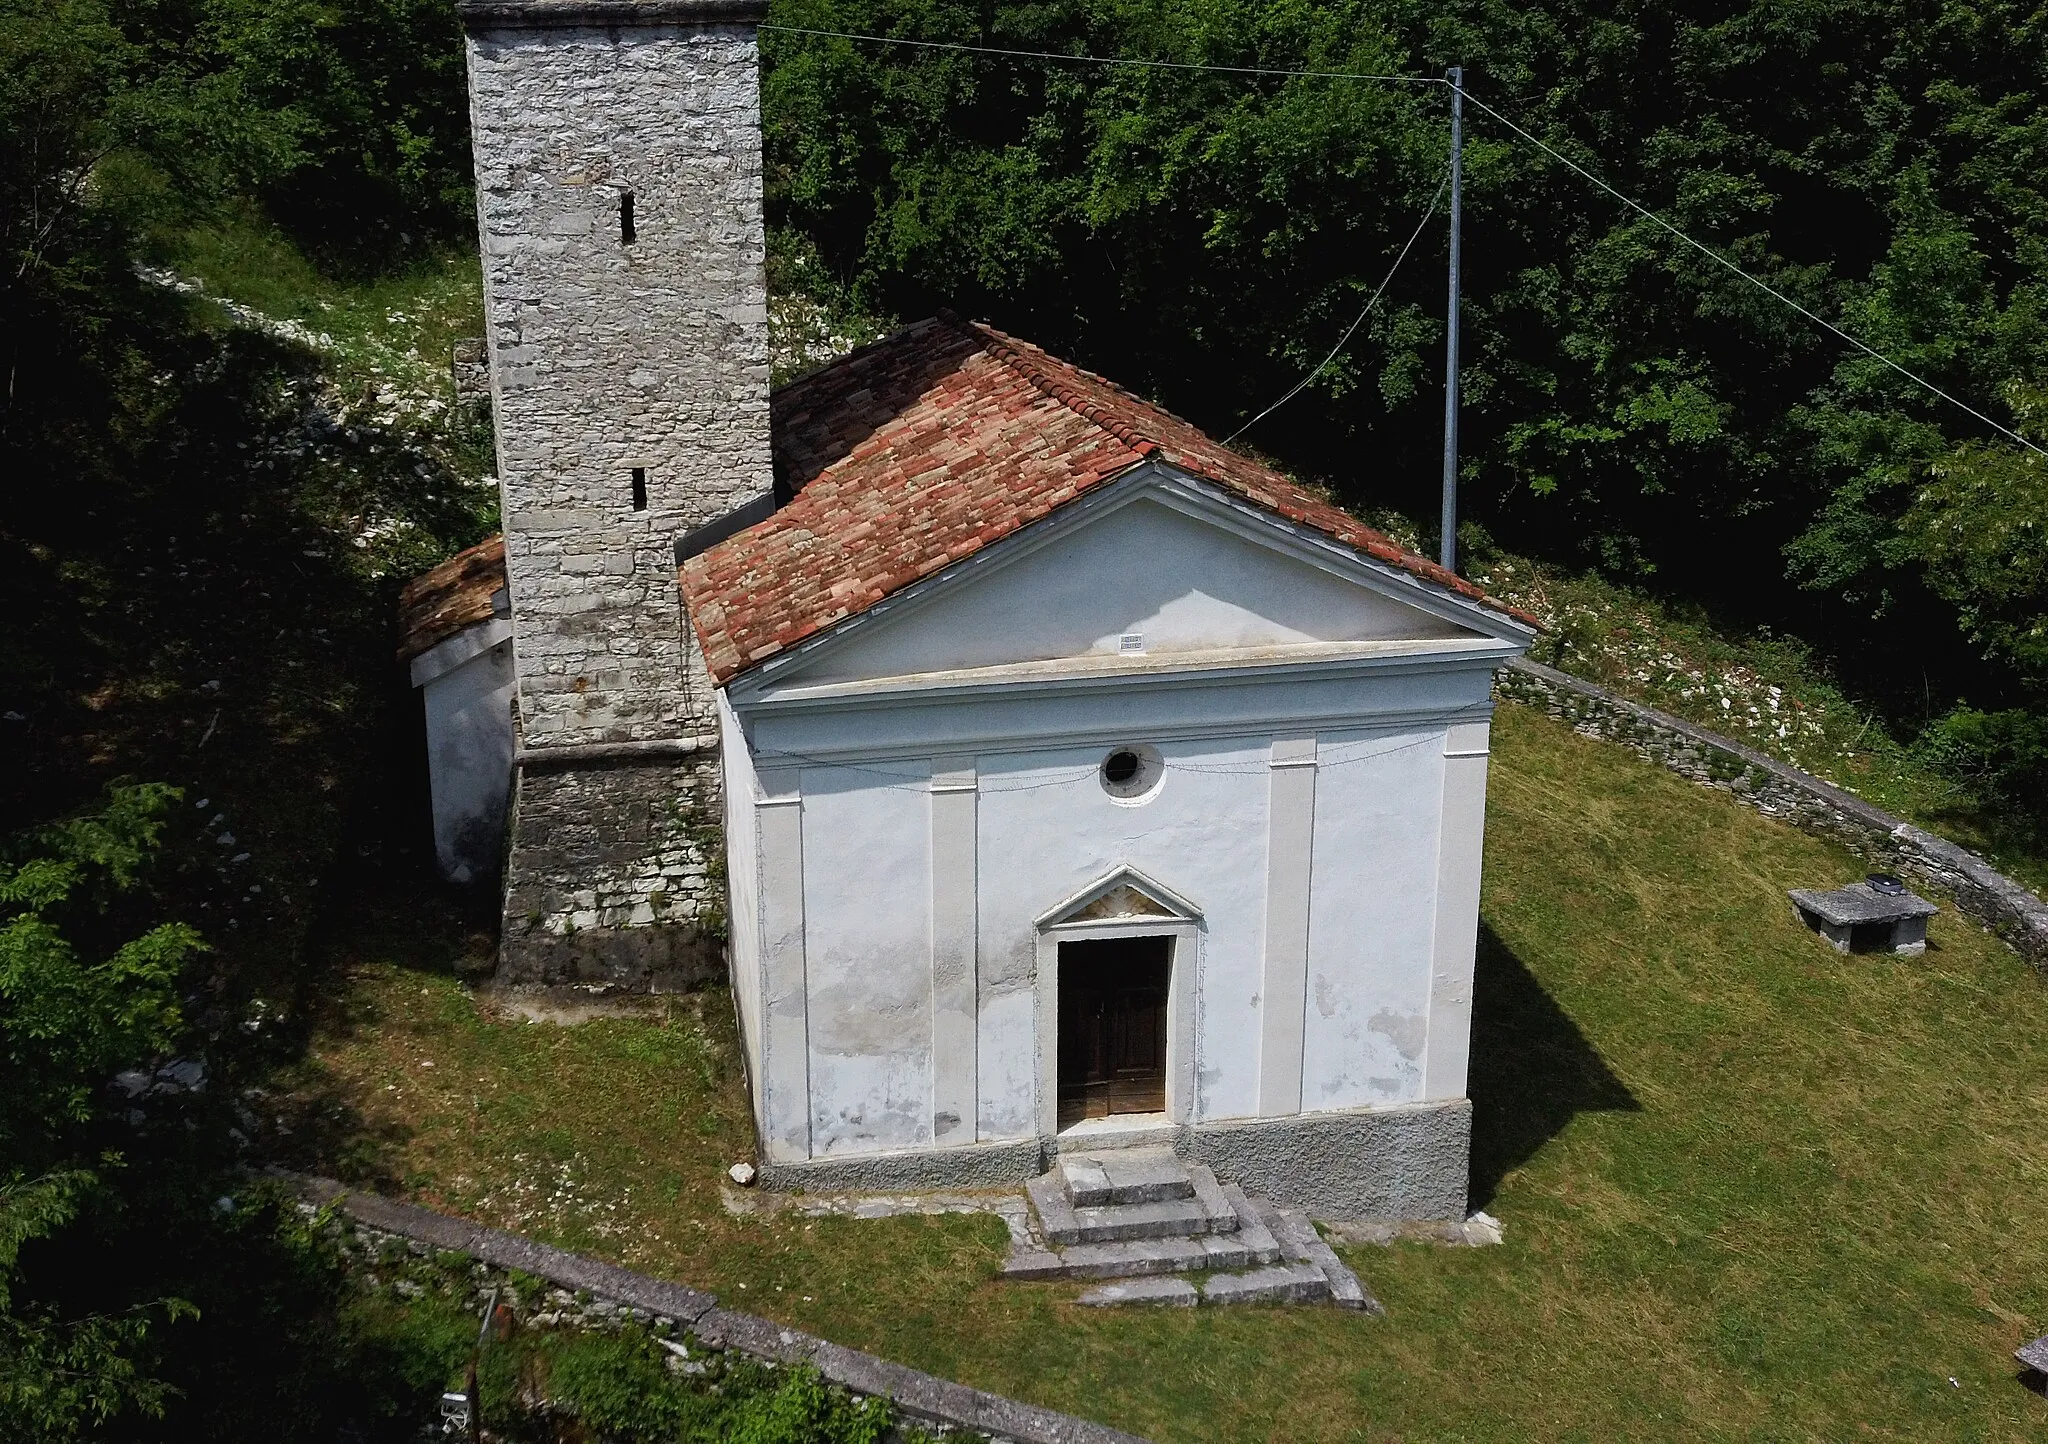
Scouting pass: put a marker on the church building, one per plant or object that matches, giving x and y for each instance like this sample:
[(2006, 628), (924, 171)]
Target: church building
[(1040, 772)]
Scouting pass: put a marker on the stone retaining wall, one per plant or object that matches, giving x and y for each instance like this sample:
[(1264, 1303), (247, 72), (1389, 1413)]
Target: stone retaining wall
[(617, 1294), (1781, 791)]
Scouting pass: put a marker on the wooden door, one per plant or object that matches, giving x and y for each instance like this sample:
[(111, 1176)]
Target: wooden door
[(1112, 1043)]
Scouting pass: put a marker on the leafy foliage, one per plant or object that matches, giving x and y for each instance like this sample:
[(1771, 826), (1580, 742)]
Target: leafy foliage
[(67, 1023), (622, 1387), (1631, 404)]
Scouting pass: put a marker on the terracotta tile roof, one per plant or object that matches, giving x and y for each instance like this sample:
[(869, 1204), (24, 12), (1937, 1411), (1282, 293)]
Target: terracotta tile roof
[(455, 595), (924, 448)]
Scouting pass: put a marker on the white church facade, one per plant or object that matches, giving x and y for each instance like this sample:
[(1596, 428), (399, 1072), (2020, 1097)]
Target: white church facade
[(1081, 781), (1128, 806)]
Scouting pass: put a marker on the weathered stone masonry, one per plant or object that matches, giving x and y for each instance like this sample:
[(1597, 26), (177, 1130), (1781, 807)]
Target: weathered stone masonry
[(618, 876), (618, 167)]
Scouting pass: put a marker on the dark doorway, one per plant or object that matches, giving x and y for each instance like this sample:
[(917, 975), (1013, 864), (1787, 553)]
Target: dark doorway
[(1113, 1027)]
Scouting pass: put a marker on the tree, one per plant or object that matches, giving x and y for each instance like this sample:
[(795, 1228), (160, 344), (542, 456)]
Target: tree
[(74, 1011)]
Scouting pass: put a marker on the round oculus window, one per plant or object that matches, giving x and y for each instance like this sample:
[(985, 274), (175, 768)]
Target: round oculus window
[(1131, 774)]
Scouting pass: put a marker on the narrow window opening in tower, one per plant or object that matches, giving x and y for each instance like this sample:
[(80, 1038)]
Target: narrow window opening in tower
[(639, 488), (626, 233)]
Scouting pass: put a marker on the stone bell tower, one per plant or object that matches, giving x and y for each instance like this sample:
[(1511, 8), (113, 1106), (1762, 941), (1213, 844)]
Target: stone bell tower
[(618, 187)]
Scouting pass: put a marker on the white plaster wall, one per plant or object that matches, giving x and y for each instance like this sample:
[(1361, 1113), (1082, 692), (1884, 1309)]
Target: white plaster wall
[(1372, 909), (1179, 582), (1044, 829), (867, 955), (743, 882), (1047, 829), (469, 759), (1345, 750)]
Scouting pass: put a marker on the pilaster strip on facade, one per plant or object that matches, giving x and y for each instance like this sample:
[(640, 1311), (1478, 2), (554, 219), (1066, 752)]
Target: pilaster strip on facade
[(954, 1001), (785, 1024), (1291, 823), (1461, 842)]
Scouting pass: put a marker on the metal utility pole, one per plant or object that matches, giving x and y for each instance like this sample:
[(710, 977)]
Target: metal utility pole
[(1447, 550)]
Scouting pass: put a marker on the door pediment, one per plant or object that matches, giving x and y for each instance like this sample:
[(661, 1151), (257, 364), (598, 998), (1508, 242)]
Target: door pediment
[(1124, 895)]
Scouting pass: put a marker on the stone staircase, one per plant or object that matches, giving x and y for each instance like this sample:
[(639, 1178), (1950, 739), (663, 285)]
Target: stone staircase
[(1139, 1218)]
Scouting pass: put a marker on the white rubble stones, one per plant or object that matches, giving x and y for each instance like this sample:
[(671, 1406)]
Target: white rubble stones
[(742, 1174), (1481, 1230)]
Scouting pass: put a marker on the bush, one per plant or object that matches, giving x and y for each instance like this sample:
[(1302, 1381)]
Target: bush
[(2000, 756)]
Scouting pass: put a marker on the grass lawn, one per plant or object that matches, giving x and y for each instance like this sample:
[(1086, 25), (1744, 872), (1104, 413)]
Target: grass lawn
[(1752, 1189)]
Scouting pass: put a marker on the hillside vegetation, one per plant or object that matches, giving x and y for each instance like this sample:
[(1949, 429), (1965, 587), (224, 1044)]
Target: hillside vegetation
[(238, 242), (1752, 1188)]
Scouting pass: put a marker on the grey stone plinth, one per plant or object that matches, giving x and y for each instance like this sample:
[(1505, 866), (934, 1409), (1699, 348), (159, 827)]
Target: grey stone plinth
[(2034, 1355), (612, 877), (1284, 1284), (1858, 918), (1177, 1293), (974, 1165), (1410, 1162)]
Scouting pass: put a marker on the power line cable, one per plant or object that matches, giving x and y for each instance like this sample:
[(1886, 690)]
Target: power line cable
[(1104, 59), (1344, 339), (1708, 251), (1762, 285)]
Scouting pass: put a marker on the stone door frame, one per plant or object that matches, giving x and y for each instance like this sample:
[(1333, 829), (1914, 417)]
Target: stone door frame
[(1184, 935)]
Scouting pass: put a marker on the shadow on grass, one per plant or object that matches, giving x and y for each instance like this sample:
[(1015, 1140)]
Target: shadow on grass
[(1533, 1071), (388, 909)]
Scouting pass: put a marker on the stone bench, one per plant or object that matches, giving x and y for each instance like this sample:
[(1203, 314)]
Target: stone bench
[(1876, 915)]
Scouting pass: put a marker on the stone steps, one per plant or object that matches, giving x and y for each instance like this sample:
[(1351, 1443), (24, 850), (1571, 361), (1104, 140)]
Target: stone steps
[(1138, 1220), (1124, 1175), (1205, 1211)]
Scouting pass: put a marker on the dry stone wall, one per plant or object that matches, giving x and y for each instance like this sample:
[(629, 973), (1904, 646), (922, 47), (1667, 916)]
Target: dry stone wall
[(386, 1234), (1778, 790)]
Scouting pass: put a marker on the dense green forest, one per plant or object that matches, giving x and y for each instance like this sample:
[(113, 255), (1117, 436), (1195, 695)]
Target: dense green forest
[(1631, 405), (197, 610)]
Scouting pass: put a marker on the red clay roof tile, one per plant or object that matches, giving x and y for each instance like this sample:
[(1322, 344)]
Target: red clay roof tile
[(920, 450), (906, 457)]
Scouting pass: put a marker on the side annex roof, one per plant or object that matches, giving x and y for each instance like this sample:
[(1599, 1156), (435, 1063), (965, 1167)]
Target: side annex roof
[(922, 449)]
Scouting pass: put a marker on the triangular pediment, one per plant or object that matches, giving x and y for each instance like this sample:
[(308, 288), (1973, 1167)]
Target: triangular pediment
[(1122, 896), (1154, 567)]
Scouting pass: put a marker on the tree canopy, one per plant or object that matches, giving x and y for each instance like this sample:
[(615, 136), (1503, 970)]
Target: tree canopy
[(1207, 236)]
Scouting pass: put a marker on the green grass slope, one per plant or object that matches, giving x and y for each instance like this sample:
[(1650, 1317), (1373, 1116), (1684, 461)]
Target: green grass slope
[(1752, 1189)]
